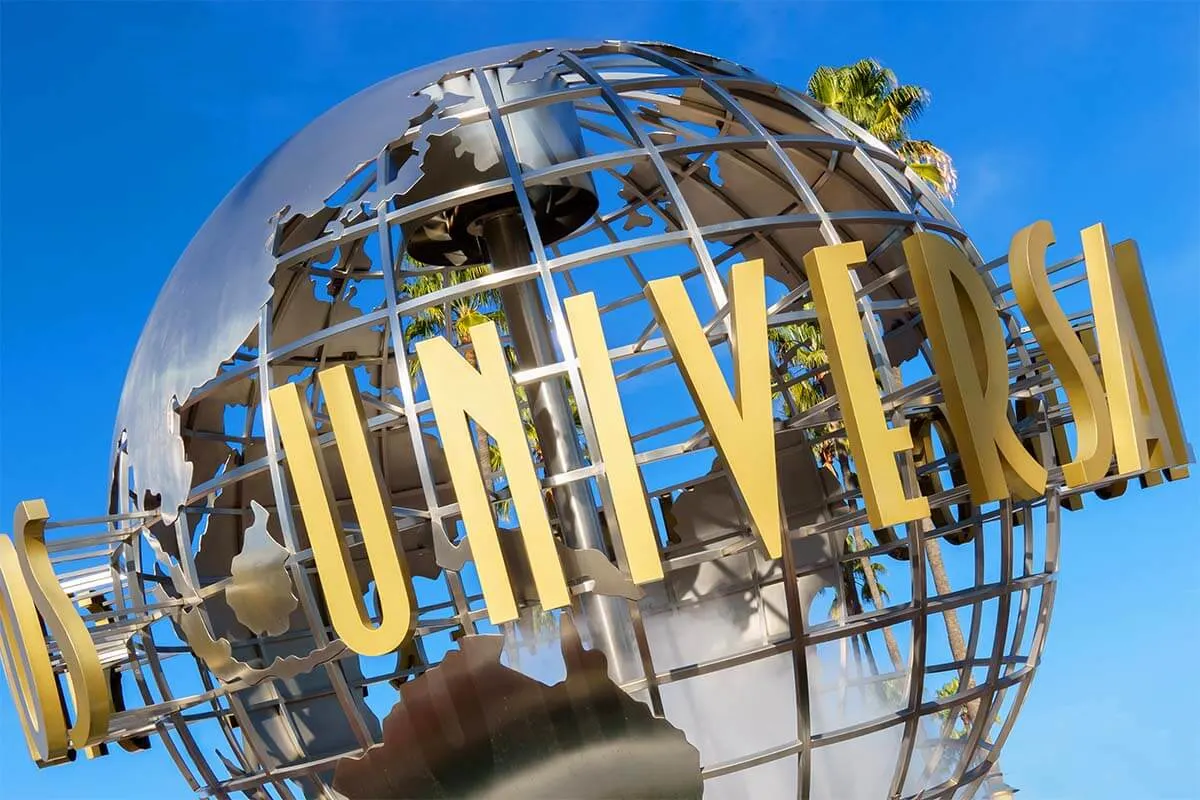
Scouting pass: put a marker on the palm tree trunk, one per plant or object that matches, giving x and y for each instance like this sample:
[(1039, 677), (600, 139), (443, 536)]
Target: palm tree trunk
[(873, 587), (941, 581), (850, 594), (933, 555), (889, 639), (860, 543), (954, 634)]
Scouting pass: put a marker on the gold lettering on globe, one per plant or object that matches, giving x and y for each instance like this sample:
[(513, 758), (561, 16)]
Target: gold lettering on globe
[(1118, 386)]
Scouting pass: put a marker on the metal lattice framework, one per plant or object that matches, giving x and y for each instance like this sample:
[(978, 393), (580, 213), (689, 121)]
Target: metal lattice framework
[(697, 164)]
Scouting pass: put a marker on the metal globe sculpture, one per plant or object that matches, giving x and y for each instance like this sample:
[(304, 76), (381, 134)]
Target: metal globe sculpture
[(493, 187)]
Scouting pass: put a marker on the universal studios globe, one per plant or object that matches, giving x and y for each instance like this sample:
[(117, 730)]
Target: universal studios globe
[(495, 185)]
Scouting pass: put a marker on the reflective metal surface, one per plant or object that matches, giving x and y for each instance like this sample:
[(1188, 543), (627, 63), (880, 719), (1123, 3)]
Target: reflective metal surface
[(802, 676), (196, 324), (471, 727), (540, 137), (260, 593), (557, 435)]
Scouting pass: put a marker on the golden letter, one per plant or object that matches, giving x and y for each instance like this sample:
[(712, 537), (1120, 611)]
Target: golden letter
[(88, 685), (742, 430), (1146, 425), (27, 664), (456, 389), (306, 463), (1066, 353), (873, 444), (620, 469), (971, 360)]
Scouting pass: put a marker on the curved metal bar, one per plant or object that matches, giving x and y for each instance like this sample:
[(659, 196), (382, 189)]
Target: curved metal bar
[(608, 618), (845, 156), (300, 578), (713, 280), (130, 553)]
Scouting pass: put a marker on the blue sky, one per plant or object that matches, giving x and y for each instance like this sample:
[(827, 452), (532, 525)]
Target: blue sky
[(123, 125)]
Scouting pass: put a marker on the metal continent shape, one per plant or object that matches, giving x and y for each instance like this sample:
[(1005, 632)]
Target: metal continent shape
[(681, 166), (195, 324)]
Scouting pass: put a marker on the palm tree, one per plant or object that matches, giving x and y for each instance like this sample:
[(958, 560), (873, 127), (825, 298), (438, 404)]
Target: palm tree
[(962, 724), (870, 96), (456, 317), (799, 347), (855, 586), (798, 351)]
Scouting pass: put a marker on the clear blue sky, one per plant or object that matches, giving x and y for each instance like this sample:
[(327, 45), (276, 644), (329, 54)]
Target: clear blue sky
[(123, 125)]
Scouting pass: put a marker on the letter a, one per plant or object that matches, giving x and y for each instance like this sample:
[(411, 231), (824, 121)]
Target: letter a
[(1146, 424)]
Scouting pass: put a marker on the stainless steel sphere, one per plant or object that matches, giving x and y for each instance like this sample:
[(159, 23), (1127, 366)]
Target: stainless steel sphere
[(494, 185)]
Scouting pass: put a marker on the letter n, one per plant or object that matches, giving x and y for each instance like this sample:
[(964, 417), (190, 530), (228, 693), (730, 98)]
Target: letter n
[(457, 391)]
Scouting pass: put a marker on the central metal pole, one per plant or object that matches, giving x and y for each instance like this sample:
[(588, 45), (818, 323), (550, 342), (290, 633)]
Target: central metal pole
[(608, 620)]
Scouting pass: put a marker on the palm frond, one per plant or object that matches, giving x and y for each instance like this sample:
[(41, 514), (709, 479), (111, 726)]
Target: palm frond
[(425, 326), (423, 285), (805, 394), (932, 164), (467, 318), (870, 95), (908, 102), (414, 367), (825, 87), (470, 273), (867, 78), (797, 346)]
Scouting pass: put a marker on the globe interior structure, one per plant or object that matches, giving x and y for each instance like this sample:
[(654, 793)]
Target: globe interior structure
[(493, 186)]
